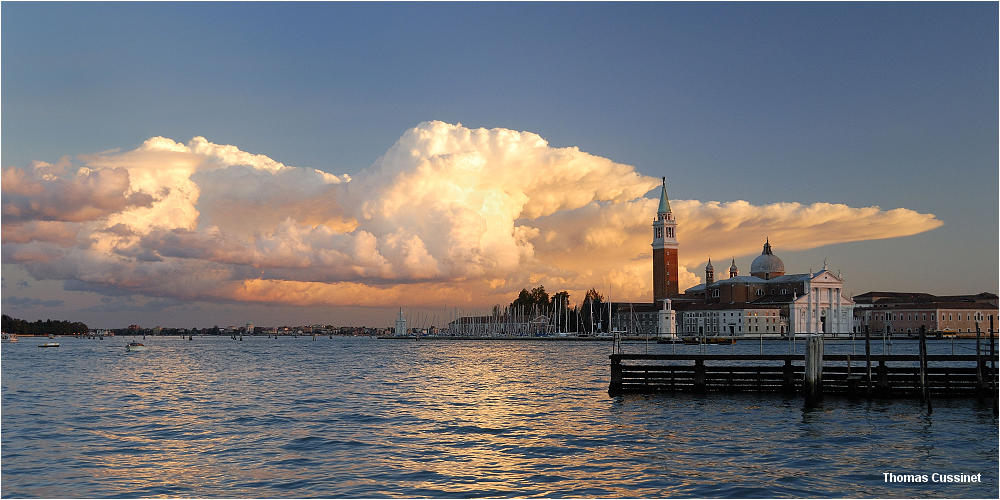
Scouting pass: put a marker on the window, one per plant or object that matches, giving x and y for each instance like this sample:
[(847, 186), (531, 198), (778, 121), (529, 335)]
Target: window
[(760, 292), (715, 293), (932, 316), (949, 316)]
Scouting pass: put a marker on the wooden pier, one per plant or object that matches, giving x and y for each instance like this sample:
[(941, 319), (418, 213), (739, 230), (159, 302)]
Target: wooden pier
[(894, 375)]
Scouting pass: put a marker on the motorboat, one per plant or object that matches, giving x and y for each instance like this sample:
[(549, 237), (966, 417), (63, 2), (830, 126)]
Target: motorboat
[(135, 346), (49, 344), (9, 337)]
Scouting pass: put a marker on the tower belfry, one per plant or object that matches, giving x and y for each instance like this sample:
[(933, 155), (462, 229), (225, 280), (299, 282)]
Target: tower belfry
[(665, 271)]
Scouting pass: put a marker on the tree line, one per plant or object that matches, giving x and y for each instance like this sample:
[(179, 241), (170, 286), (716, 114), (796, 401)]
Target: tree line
[(39, 327), (587, 317)]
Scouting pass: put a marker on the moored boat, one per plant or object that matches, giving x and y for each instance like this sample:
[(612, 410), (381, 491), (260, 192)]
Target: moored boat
[(49, 344), (135, 346), (9, 337)]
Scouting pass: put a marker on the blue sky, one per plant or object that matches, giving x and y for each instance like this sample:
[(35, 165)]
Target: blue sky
[(889, 104)]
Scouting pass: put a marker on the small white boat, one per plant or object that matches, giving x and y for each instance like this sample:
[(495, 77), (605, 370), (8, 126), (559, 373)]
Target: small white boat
[(135, 346), (49, 344), (9, 337)]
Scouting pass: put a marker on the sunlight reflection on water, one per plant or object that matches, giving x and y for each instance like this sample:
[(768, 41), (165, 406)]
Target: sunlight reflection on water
[(359, 417)]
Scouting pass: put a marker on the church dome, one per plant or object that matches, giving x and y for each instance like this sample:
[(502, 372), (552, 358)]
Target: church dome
[(767, 265)]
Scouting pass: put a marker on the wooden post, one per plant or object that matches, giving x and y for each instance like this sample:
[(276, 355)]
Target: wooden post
[(993, 351), (813, 382), (789, 382), (699, 375), (924, 395), (868, 355), (883, 376), (616, 375), (979, 364), (993, 369)]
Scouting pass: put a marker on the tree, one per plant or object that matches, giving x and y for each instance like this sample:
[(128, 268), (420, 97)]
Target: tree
[(539, 297), (39, 327)]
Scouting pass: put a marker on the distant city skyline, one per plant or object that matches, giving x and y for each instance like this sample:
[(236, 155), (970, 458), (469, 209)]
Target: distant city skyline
[(216, 164)]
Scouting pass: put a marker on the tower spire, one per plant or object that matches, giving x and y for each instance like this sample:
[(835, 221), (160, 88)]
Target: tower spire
[(664, 201)]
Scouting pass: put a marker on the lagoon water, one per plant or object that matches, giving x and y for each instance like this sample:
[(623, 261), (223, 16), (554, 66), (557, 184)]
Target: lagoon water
[(360, 417)]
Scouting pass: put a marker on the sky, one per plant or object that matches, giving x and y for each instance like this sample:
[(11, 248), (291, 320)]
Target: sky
[(199, 164)]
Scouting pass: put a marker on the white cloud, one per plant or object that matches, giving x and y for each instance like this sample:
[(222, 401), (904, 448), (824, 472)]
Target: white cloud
[(448, 216)]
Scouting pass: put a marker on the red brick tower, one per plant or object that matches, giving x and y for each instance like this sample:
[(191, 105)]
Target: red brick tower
[(665, 272)]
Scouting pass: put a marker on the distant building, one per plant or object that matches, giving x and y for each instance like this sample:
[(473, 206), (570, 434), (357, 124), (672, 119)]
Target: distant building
[(766, 302), (907, 312), (732, 320), (809, 302)]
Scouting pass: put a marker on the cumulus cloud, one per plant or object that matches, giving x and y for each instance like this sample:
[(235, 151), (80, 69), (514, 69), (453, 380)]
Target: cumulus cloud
[(47, 192), (447, 216)]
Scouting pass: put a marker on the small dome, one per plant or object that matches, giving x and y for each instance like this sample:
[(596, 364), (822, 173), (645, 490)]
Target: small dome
[(767, 265), (709, 266)]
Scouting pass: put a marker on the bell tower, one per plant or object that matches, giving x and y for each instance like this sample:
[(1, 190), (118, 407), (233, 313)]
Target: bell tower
[(665, 270)]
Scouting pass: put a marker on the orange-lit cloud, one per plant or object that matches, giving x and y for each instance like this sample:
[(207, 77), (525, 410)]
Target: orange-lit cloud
[(448, 216)]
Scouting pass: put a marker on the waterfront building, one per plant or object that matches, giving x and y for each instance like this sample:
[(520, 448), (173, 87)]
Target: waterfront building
[(731, 320), (907, 312)]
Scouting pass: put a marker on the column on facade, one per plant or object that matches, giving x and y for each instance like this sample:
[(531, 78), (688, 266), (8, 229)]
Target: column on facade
[(837, 296), (809, 299), (813, 307)]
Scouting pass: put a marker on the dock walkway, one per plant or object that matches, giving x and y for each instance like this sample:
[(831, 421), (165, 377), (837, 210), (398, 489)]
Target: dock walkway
[(894, 375)]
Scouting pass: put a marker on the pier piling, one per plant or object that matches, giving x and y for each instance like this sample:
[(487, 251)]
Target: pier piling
[(868, 357), (814, 368), (979, 363), (616, 376), (924, 395)]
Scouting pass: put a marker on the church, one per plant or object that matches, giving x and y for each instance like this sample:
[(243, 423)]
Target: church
[(767, 302)]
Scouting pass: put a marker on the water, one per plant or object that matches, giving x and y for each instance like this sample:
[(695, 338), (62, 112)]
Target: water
[(360, 417)]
